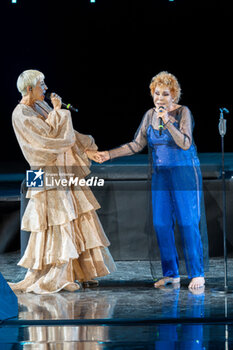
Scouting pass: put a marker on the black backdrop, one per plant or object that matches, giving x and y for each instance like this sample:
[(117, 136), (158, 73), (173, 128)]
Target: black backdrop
[(101, 57)]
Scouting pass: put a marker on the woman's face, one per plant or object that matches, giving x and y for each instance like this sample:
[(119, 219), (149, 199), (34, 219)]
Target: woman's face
[(162, 97), (39, 90)]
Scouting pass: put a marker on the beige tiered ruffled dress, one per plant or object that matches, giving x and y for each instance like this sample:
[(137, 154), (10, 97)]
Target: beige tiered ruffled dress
[(67, 242)]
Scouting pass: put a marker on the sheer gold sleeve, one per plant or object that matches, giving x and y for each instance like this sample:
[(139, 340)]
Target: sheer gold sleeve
[(138, 143), (183, 135)]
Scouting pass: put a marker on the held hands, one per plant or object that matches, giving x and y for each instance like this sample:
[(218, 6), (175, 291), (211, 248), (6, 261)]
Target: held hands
[(104, 156), (98, 157)]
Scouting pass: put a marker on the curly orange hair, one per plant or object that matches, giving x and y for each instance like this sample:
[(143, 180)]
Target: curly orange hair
[(168, 80)]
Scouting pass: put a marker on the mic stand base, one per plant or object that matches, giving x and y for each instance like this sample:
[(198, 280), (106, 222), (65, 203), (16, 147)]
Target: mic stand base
[(222, 290)]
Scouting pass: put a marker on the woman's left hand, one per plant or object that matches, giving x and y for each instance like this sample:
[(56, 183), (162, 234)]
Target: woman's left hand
[(162, 113)]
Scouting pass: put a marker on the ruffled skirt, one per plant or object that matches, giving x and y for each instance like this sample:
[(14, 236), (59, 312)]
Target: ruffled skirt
[(67, 242)]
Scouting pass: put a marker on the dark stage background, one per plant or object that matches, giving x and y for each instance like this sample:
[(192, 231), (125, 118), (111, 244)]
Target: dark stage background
[(101, 57)]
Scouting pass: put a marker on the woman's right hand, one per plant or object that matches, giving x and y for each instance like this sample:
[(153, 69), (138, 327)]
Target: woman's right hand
[(56, 101)]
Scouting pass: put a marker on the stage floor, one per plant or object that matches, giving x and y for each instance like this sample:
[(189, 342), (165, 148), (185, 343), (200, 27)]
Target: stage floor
[(124, 312)]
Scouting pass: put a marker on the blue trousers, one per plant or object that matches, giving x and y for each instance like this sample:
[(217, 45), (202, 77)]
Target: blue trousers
[(176, 195)]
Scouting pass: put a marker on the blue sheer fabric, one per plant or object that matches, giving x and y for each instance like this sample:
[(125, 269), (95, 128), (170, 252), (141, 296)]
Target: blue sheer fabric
[(176, 195)]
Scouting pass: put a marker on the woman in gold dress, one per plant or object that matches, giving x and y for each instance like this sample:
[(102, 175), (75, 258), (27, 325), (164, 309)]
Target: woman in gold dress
[(67, 243)]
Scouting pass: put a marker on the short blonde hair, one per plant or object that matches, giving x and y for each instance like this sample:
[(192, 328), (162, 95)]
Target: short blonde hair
[(168, 80), (28, 78)]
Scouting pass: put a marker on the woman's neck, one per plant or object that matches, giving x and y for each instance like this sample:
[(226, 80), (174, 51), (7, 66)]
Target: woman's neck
[(173, 107), (28, 100)]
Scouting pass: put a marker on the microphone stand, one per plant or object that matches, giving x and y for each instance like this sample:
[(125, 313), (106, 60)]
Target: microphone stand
[(222, 131)]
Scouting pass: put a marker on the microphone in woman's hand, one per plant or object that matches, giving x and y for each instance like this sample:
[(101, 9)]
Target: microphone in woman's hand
[(160, 110), (64, 105)]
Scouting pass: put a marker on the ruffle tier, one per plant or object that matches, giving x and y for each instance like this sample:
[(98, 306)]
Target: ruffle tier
[(73, 250)]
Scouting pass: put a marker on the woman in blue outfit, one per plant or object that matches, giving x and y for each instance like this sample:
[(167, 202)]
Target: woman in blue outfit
[(176, 178)]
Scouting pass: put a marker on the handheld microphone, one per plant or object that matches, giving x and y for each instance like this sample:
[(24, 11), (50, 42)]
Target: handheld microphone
[(160, 126), (64, 105), (161, 109)]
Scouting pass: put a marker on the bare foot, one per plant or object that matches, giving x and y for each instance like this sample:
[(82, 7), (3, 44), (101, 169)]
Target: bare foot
[(196, 282), (166, 280)]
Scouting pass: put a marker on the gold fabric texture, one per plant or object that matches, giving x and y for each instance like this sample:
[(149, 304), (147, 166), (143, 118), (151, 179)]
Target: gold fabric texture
[(67, 242)]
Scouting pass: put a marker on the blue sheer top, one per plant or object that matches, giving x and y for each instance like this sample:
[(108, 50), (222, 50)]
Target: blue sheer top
[(165, 152), (166, 149)]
